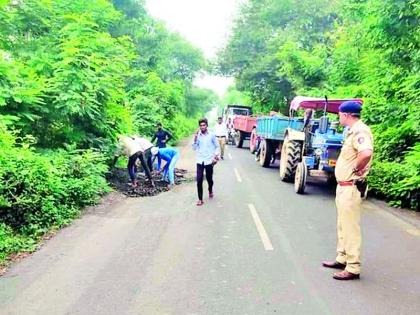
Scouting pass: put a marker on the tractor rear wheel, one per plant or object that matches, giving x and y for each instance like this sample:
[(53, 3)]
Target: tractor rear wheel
[(300, 178), (239, 139), (290, 157), (266, 151)]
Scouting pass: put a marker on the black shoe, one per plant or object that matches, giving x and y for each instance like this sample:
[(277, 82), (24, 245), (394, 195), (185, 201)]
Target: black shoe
[(346, 275), (333, 264)]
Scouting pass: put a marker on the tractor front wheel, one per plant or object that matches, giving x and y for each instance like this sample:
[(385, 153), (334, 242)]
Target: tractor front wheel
[(300, 178)]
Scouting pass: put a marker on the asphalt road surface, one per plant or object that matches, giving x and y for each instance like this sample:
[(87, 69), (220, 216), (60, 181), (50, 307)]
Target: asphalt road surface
[(256, 248)]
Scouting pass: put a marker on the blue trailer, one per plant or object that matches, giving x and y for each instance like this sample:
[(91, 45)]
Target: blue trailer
[(272, 131)]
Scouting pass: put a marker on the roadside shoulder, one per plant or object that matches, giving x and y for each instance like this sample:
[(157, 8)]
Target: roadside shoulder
[(406, 215)]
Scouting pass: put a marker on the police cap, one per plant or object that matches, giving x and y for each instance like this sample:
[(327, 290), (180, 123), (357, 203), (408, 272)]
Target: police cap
[(351, 107)]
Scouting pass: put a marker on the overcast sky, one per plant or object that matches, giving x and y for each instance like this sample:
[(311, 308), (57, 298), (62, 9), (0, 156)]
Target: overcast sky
[(205, 23)]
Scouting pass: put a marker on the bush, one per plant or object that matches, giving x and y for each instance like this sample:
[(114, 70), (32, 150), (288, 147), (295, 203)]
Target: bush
[(39, 191), (398, 183), (43, 190), (11, 243), (183, 126)]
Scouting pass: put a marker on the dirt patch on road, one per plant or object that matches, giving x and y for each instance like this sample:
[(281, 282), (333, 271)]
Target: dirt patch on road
[(119, 180)]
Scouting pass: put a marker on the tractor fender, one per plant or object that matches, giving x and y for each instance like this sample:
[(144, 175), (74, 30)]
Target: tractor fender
[(296, 135)]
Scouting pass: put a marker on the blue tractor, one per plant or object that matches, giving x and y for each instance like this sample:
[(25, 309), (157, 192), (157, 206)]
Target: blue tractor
[(320, 142)]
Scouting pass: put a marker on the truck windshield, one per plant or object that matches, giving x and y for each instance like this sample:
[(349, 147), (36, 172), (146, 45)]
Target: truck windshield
[(239, 111)]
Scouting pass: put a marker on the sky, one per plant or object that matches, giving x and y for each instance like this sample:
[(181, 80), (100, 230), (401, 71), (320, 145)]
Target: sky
[(205, 23)]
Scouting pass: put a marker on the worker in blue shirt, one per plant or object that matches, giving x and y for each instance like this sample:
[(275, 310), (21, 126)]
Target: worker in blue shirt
[(170, 156)]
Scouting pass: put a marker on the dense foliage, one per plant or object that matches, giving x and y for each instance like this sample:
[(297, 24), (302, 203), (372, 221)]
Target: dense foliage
[(345, 48), (73, 75)]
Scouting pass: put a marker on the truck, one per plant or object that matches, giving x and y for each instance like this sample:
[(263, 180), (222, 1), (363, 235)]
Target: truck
[(243, 122), (243, 126)]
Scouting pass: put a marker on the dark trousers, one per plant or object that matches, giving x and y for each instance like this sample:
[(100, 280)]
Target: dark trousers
[(143, 156), (200, 177)]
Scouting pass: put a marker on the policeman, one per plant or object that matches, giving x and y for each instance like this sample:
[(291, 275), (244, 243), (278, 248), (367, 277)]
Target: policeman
[(351, 170)]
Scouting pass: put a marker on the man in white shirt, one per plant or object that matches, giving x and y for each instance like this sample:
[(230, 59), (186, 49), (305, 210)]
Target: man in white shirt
[(220, 131), (145, 147), (207, 149), (137, 148)]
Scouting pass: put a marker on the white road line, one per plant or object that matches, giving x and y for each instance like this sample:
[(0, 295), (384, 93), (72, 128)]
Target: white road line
[(230, 156), (260, 227), (238, 177)]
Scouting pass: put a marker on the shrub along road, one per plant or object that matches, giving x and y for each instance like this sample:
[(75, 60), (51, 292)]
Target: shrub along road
[(256, 248)]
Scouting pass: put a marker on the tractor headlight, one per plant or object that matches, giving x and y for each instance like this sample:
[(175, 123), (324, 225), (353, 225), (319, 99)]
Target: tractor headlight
[(318, 151)]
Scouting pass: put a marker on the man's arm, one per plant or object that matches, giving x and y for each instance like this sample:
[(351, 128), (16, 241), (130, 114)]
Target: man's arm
[(195, 144), (168, 136), (363, 159), (154, 138), (216, 146), (364, 146), (119, 150), (159, 164)]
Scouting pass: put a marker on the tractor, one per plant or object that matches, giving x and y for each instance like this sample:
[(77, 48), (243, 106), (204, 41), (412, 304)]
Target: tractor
[(321, 143)]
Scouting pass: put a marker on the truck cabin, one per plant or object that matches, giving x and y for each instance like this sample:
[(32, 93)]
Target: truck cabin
[(237, 110)]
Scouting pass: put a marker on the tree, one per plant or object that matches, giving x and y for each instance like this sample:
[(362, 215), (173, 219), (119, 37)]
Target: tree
[(368, 49)]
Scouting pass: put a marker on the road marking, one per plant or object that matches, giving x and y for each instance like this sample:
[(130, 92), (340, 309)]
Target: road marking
[(238, 177), (230, 156), (260, 227)]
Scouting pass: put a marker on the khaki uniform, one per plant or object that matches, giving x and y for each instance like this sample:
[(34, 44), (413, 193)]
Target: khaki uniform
[(348, 199), (221, 132), (222, 144)]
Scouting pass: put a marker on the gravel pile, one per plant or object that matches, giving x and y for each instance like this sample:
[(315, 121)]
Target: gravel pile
[(119, 180)]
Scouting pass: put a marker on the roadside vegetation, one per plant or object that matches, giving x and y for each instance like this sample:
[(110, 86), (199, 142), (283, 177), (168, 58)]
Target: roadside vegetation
[(345, 48), (73, 75)]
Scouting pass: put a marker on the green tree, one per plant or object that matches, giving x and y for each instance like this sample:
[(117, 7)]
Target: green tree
[(358, 48)]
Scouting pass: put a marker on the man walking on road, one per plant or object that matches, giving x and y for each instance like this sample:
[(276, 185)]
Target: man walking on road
[(207, 148), (351, 170), (221, 132)]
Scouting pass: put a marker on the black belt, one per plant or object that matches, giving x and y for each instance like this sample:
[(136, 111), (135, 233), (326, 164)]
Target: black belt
[(220, 136)]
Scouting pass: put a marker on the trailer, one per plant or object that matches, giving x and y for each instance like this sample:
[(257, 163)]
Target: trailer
[(273, 133), (243, 126)]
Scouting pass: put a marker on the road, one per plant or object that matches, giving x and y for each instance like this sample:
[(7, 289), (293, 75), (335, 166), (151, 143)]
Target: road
[(256, 248)]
